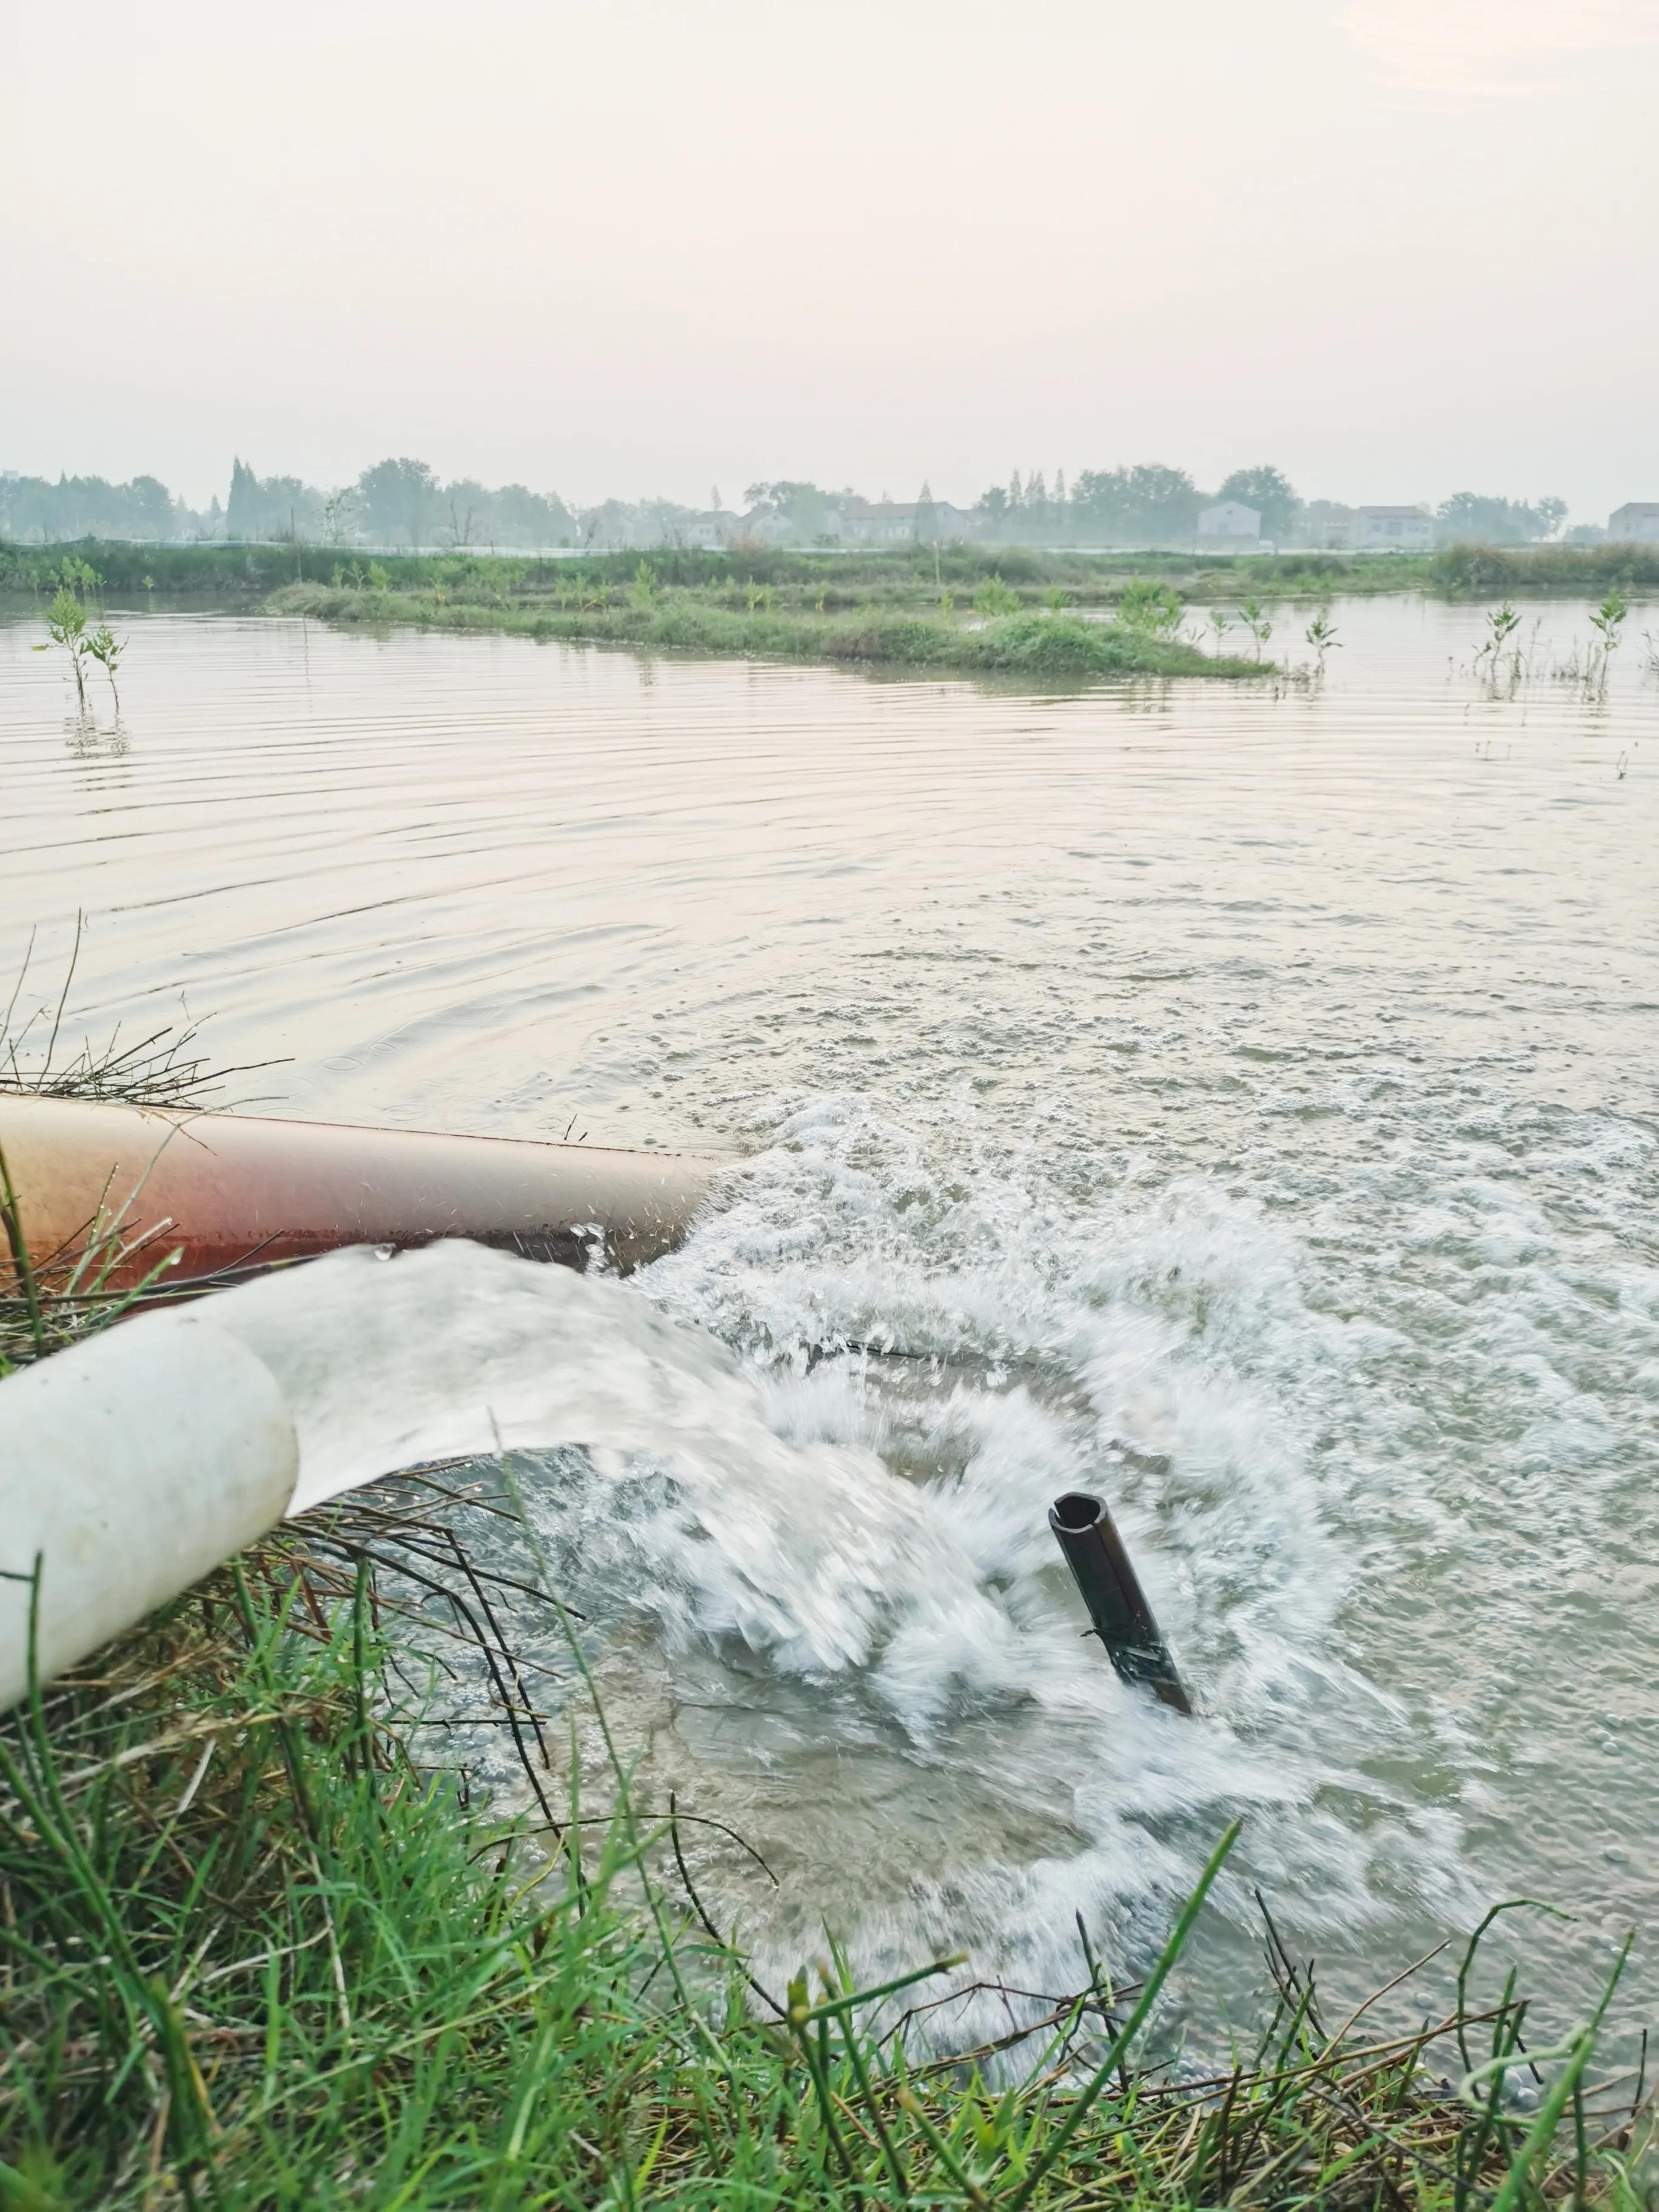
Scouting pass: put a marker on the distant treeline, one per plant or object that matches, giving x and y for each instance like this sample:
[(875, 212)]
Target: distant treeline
[(402, 505)]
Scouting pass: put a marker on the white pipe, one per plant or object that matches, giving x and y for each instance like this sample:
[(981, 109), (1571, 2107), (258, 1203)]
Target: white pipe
[(130, 1465)]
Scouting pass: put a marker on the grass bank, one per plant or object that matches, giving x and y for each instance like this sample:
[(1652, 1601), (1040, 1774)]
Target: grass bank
[(255, 1953), (909, 576), (1477, 571), (672, 620)]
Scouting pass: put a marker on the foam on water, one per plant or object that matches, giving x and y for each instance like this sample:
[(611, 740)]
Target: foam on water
[(830, 1611)]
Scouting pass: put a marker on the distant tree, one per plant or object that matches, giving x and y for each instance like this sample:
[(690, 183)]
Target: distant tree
[(1270, 492), (339, 509), (522, 517), (398, 497), (34, 507), (242, 508), (802, 507), (150, 508), (1142, 505), (992, 508), (271, 507), (466, 514), (1161, 503), (1474, 519), (1099, 505), (927, 514)]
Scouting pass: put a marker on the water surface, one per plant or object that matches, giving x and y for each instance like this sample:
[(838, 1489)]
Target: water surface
[(1243, 1098)]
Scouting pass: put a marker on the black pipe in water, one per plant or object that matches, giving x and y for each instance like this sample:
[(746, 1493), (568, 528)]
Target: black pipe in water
[(1111, 1590)]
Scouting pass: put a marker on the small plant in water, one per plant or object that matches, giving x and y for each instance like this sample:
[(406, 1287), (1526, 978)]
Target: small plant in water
[(1502, 622), (1054, 599), (643, 589), (1608, 622), (1220, 623), (1259, 622), (77, 575), (66, 626), (105, 649), (1320, 633)]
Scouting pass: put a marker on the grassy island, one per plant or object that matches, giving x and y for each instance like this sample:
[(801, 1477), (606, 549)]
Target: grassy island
[(1036, 644)]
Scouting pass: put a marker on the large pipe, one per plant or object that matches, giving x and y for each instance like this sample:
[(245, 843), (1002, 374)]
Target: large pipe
[(228, 1191), (130, 1467), (1111, 1589)]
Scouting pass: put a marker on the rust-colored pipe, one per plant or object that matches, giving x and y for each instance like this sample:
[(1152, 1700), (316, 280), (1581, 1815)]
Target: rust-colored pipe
[(230, 1191)]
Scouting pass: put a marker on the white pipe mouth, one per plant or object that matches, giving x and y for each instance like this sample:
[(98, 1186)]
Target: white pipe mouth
[(130, 1465), (135, 1463)]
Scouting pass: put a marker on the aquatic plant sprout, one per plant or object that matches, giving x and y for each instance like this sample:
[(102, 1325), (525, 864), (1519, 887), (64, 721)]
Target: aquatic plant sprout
[(66, 628), (1320, 633)]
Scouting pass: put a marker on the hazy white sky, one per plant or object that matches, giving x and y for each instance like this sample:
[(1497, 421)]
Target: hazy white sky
[(1399, 247)]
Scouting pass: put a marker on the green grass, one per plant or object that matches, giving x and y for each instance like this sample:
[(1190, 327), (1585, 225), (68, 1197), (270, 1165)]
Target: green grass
[(1530, 571), (252, 1954), (902, 576), (259, 1948), (1055, 647)]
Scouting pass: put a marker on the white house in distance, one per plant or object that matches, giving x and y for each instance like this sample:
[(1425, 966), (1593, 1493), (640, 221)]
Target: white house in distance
[(1228, 527), (1391, 530), (761, 526), (1635, 523), (895, 522), (711, 532)]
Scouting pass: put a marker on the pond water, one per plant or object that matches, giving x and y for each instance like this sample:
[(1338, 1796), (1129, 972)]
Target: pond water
[(1242, 1099)]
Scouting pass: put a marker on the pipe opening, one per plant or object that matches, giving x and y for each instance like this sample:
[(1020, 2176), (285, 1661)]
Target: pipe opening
[(1075, 1513)]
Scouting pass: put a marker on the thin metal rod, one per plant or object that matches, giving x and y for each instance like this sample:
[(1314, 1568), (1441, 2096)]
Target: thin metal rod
[(1111, 1590)]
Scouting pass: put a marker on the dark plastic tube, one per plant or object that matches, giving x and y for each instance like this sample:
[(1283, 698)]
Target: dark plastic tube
[(1111, 1590), (234, 1191)]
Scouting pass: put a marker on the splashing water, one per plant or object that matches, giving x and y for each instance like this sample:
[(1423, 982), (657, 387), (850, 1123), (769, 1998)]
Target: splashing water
[(828, 1608)]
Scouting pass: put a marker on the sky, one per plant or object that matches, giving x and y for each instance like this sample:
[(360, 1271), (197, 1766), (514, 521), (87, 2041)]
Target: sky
[(1399, 247)]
